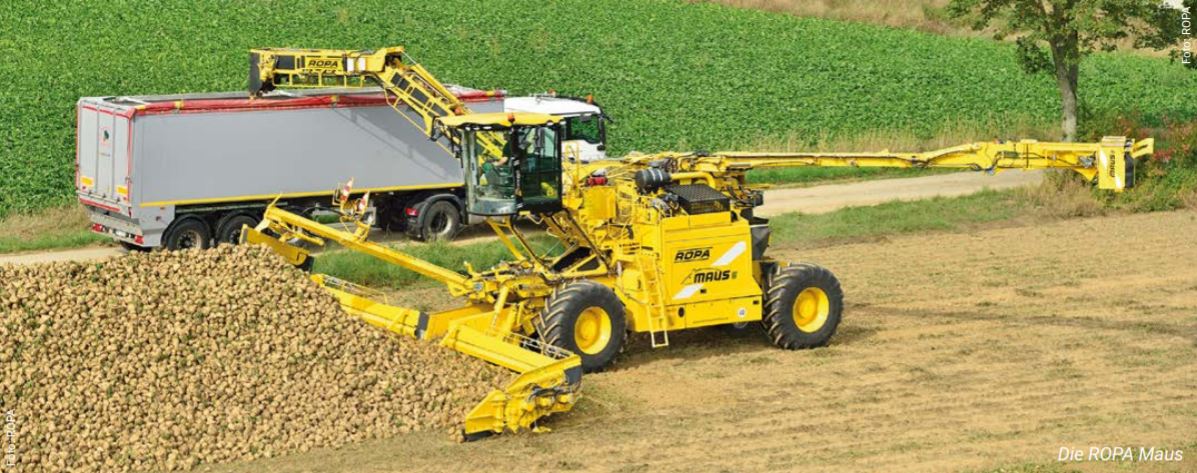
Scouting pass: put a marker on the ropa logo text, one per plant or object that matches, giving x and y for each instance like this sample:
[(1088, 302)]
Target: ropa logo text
[(324, 63), (693, 254)]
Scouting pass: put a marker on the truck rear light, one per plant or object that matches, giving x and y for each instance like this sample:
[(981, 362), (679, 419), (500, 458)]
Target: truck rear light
[(138, 239), (412, 212), (95, 227)]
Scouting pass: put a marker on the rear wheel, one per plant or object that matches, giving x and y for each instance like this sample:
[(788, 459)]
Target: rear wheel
[(188, 233), (228, 230), (440, 221), (586, 318), (803, 307)]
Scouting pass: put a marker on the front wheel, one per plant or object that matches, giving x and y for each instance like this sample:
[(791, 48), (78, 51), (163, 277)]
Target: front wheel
[(803, 307), (586, 318)]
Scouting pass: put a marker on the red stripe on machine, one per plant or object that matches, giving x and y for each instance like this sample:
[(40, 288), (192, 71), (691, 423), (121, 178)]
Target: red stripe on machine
[(350, 100)]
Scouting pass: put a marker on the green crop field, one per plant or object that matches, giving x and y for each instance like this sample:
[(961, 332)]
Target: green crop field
[(672, 74)]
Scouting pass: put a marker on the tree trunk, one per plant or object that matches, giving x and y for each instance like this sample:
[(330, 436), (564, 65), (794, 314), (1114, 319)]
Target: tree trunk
[(1067, 59), (1067, 83)]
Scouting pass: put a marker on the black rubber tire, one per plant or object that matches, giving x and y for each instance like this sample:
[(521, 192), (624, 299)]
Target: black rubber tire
[(439, 221), (391, 216), (189, 232), (784, 289), (228, 229), (556, 324)]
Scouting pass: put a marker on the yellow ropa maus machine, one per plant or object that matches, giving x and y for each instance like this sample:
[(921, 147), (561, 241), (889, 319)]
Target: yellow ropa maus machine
[(648, 244)]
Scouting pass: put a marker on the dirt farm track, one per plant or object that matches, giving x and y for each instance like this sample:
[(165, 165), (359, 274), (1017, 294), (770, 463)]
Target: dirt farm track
[(958, 352)]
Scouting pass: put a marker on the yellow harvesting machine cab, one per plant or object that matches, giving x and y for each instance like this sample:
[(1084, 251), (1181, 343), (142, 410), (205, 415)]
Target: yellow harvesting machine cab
[(647, 244)]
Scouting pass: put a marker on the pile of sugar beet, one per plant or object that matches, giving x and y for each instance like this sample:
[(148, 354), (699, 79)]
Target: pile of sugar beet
[(165, 360)]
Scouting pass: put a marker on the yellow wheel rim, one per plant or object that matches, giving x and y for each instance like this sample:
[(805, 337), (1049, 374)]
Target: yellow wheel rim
[(810, 309), (592, 331)]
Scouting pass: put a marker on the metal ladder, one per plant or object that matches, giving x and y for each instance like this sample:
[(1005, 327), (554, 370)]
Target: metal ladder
[(658, 321), (409, 88), (424, 95)]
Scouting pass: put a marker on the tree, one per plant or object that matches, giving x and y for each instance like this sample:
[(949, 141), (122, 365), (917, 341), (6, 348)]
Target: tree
[(1070, 30)]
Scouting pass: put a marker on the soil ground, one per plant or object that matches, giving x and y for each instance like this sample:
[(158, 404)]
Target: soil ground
[(958, 352)]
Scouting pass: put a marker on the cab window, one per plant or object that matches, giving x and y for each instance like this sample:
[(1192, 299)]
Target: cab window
[(588, 128)]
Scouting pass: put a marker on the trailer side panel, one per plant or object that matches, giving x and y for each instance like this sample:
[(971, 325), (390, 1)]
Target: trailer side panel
[(231, 156)]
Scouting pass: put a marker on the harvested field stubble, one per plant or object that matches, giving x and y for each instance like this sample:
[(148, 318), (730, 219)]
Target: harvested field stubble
[(170, 359)]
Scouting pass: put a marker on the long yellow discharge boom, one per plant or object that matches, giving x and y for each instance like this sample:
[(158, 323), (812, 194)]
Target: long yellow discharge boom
[(647, 244)]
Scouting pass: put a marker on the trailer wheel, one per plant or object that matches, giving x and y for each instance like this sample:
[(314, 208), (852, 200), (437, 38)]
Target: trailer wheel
[(440, 220), (188, 233), (390, 215), (228, 229), (586, 318), (134, 248), (803, 307)]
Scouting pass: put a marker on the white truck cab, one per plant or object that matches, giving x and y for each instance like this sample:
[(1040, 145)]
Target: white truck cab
[(586, 130)]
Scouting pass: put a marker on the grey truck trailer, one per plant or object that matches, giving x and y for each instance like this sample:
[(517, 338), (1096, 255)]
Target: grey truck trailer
[(181, 171)]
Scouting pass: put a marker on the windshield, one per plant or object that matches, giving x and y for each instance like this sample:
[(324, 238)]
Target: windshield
[(587, 128)]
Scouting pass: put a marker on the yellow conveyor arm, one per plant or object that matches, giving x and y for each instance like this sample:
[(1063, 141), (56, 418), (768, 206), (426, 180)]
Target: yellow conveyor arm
[(290, 225), (1110, 163)]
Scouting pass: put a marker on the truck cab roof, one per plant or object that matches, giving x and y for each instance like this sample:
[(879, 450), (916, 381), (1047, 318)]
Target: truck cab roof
[(549, 105)]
